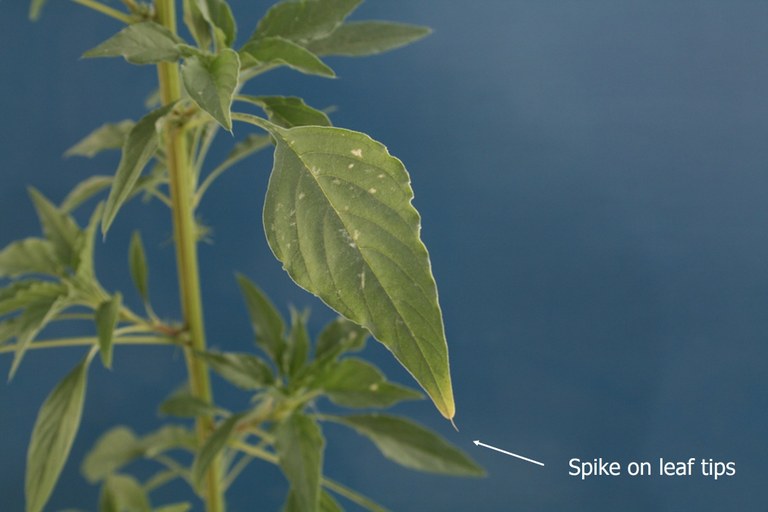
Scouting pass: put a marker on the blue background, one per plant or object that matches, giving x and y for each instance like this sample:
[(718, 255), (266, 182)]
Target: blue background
[(592, 179)]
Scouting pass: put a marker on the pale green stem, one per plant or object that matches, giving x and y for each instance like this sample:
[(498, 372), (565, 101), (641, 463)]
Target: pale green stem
[(91, 340), (105, 9), (334, 486), (185, 238)]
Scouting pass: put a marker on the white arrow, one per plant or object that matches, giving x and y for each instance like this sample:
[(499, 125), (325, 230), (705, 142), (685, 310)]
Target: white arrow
[(478, 443)]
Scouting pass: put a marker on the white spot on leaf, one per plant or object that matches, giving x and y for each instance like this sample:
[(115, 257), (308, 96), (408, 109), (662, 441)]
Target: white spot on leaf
[(302, 195), (372, 190), (357, 152)]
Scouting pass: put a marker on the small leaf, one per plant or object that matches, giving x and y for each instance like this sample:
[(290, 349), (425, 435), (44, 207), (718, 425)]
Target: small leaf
[(327, 503), (338, 337), (213, 445), (137, 263), (112, 450), (288, 111), (138, 149), (356, 383), (196, 23), (141, 43), (338, 215), (299, 444), (298, 344), (211, 80), (265, 319), (35, 8), (107, 136), (176, 507), (279, 51), (246, 147), (304, 21), (85, 190), (219, 15), (59, 228), (122, 493), (85, 272), (52, 436), (184, 405), (168, 437), (411, 445), (23, 294), (30, 323), (107, 315), (245, 371), (29, 256), (360, 38)]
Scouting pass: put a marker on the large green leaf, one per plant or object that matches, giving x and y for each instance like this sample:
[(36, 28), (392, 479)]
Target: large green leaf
[(356, 383), (106, 136), (58, 227), (338, 214), (245, 371), (288, 111), (367, 38), (280, 51), (141, 43), (211, 80), (107, 315), (411, 445), (52, 436), (29, 256), (304, 20), (122, 493), (266, 320), (299, 444), (138, 149)]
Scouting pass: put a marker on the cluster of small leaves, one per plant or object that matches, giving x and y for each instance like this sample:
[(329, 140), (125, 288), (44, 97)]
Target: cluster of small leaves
[(283, 425), (338, 216)]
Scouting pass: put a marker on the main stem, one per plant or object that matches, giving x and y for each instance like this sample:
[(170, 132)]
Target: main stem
[(185, 238)]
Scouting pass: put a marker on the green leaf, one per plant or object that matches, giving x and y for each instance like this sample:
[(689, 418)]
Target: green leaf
[(288, 111), (250, 144), (107, 315), (137, 263), (30, 323), (85, 272), (327, 503), (360, 38), (29, 256), (245, 371), (196, 23), (265, 319), (338, 215), (219, 15), (298, 344), (176, 507), (141, 43), (35, 8), (211, 80), (411, 445), (85, 190), (299, 444), (52, 436), (356, 383), (213, 445), (121, 493), (304, 21), (138, 149), (279, 51), (338, 337), (107, 136), (184, 405), (23, 294), (167, 437), (59, 228), (112, 450)]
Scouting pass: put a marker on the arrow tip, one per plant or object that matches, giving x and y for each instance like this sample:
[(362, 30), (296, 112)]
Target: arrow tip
[(477, 442)]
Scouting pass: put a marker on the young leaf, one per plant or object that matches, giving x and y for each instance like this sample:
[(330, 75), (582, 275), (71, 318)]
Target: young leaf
[(23, 294), (288, 111), (184, 405), (106, 136), (141, 43), (327, 503), (176, 507), (265, 319), (356, 383), (196, 23), (338, 337), (29, 256), (112, 450), (411, 445), (122, 493), (52, 436), (213, 445), (360, 38), (31, 322), (138, 149), (219, 15), (211, 80), (137, 263), (59, 228), (298, 344), (338, 215), (35, 8), (107, 315), (245, 371), (250, 144), (304, 21), (280, 51), (85, 272), (85, 190), (299, 444)]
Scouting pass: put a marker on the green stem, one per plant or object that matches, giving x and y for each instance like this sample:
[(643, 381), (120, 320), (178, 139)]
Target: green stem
[(91, 340), (334, 486), (105, 9), (185, 238)]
